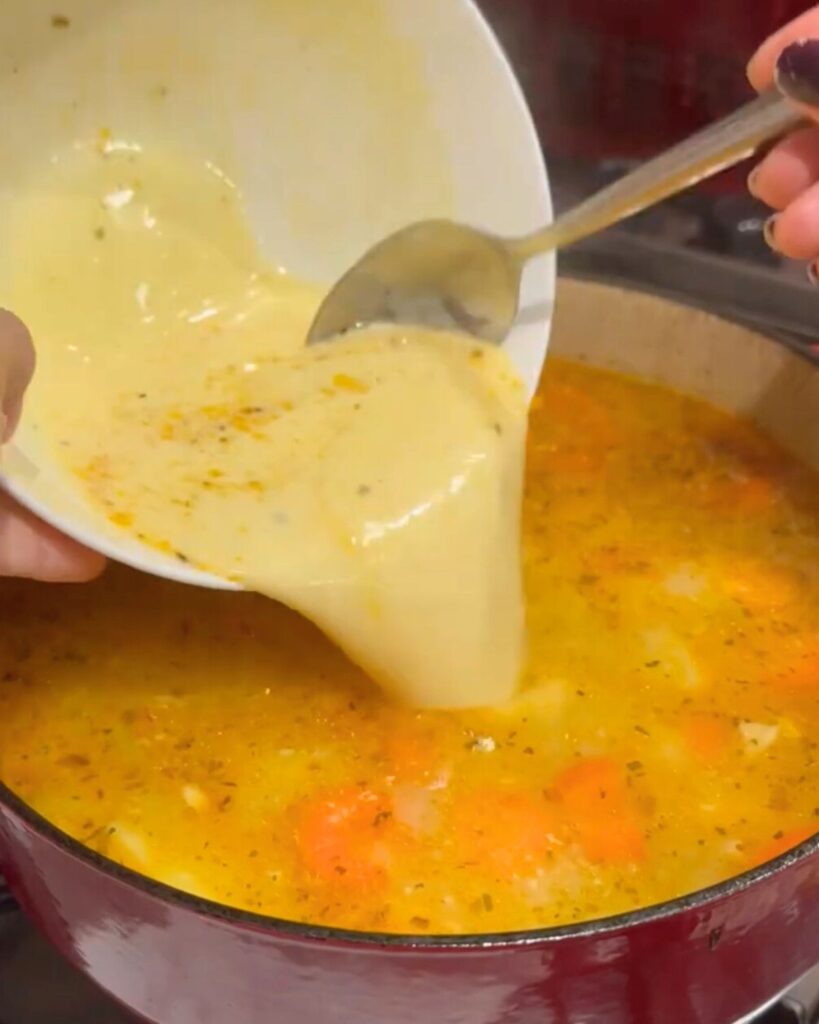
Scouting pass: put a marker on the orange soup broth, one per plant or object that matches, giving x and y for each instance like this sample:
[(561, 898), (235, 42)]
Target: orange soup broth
[(662, 740)]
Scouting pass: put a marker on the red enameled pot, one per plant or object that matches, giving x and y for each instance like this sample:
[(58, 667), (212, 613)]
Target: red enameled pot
[(710, 958)]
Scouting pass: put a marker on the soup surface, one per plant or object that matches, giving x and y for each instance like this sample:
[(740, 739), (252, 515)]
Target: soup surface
[(664, 738), (373, 483)]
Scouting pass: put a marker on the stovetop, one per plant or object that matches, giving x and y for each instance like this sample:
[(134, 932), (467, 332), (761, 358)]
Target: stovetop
[(704, 250), (38, 987)]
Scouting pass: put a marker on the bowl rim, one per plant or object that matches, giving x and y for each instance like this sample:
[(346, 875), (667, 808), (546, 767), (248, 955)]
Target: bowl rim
[(398, 942)]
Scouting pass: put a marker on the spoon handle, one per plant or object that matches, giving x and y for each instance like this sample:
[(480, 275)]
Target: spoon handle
[(715, 148)]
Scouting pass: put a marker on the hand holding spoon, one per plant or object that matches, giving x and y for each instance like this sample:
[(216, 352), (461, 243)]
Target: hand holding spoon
[(448, 275)]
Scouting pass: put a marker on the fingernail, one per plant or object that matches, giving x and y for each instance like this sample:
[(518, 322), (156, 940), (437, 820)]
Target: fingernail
[(769, 231), (797, 72), (753, 178), (813, 274)]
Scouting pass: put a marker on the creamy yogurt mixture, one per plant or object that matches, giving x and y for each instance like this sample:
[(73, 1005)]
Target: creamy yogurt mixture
[(372, 483)]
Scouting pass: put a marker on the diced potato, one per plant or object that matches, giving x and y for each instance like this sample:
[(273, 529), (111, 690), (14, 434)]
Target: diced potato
[(674, 659), (548, 697), (128, 846), (788, 730), (195, 797), (758, 736), (186, 882), (685, 581)]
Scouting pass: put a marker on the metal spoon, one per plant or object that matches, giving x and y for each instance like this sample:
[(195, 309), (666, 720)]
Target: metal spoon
[(443, 274)]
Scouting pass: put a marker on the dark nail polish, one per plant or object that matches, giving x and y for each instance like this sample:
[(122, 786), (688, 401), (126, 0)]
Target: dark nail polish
[(797, 72), (769, 231), (813, 274)]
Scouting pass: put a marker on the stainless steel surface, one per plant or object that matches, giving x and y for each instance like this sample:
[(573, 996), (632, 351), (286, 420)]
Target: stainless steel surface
[(446, 274), (783, 305)]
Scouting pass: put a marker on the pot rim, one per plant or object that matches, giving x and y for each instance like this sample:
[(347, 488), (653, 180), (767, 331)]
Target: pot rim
[(486, 942)]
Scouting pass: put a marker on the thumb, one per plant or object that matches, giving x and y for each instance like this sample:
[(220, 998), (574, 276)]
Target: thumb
[(16, 368)]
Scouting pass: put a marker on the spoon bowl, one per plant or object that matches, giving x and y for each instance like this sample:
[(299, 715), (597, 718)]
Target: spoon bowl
[(443, 274), (436, 272)]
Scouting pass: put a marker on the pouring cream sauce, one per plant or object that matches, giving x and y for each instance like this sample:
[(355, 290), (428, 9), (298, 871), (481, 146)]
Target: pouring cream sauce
[(372, 483)]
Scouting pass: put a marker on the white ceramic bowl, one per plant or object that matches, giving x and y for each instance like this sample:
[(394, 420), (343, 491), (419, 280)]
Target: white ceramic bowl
[(339, 122)]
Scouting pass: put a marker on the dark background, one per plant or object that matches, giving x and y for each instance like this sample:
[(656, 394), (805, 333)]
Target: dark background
[(623, 78)]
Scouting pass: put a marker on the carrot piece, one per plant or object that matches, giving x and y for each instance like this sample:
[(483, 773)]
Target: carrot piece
[(783, 843), (343, 836), (707, 737), (505, 831), (760, 586), (803, 671), (599, 811), (739, 497)]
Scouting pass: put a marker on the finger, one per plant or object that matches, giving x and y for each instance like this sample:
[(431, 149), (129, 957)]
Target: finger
[(796, 75), (762, 64), (16, 368), (795, 231), (788, 170), (34, 550)]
